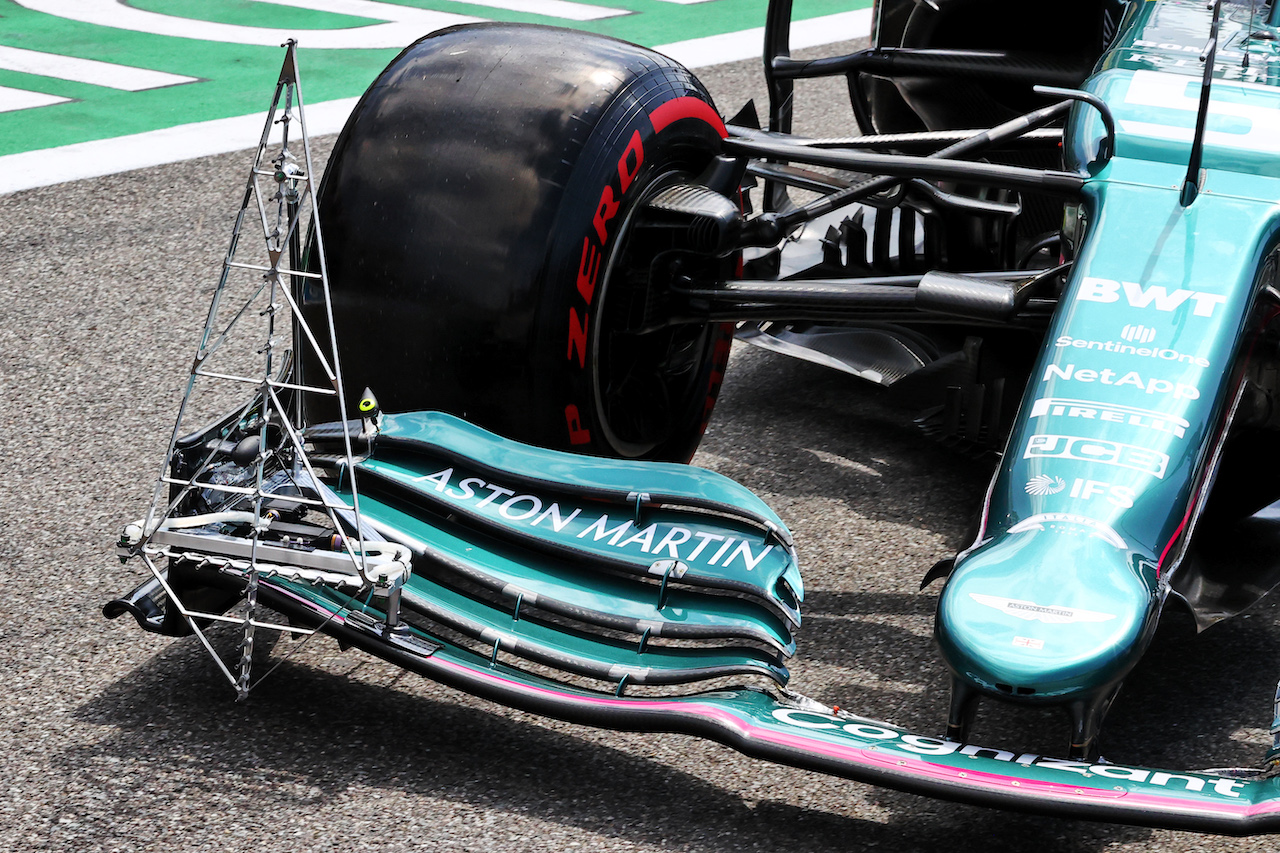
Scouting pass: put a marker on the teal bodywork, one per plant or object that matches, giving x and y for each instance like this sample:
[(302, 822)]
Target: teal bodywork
[(1113, 449), (407, 464), (695, 556), (792, 730), (538, 578)]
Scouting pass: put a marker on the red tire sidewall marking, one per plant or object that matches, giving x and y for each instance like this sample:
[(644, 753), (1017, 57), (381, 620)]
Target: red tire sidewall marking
[(646, 136)]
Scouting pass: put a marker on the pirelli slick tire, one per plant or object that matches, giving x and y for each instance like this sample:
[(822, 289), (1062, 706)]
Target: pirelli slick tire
[(481, 216)]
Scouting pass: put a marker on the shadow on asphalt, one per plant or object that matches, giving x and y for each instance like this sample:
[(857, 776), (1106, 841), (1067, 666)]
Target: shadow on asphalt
[(308, 735), (840, 439)]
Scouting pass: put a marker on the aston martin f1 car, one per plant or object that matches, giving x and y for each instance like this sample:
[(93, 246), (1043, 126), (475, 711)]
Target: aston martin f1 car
[(511, 303)]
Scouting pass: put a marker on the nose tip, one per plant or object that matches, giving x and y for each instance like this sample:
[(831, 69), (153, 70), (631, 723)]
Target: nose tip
[(1045, 616)]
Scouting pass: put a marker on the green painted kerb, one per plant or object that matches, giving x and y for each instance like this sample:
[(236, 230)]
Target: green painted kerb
[(236, 79)]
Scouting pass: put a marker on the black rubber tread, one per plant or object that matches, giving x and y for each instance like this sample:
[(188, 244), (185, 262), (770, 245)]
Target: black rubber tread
[(458, 208)]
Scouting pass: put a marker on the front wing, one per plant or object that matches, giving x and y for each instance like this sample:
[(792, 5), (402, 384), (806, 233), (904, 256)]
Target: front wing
[(790, 729)]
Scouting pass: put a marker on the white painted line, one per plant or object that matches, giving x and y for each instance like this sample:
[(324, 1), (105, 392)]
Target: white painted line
[(401, 24), (175, 144), (21, 99), (396, 25), (107, 74), (559, 8), (749, 44), (153, 148)]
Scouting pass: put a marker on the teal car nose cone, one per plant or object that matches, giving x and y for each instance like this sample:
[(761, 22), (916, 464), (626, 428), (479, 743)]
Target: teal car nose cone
[(1055, 609)]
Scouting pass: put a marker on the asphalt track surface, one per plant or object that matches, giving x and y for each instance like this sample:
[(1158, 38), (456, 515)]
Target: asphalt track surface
[(112, 739)]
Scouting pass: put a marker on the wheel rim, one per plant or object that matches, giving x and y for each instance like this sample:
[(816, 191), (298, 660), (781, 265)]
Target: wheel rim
[(646, 384)]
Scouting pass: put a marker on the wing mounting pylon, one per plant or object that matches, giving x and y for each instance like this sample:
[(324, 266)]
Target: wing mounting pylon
[(254, 308)]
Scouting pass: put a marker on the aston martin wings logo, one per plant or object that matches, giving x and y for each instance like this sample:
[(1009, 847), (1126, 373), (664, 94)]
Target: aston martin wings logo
[(1037, 522), (1032, 612)]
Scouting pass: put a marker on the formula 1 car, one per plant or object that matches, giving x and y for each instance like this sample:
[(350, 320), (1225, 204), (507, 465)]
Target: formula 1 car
[(523, 270)]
